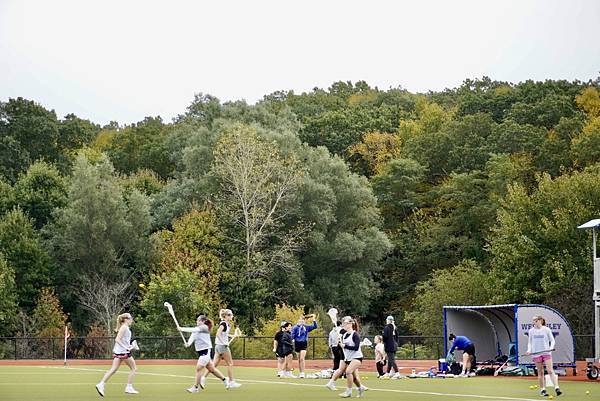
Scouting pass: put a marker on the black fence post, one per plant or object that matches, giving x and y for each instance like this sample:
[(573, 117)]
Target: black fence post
[(15, 347), (52, 345), (313, 348), (414, 350), (244, 348), (166, 347)]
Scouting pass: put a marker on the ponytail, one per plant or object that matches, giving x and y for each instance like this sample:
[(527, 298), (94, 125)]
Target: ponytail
[(120, 320)]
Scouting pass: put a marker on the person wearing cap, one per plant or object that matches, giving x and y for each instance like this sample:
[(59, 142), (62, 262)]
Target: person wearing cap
[(283, 347), (390, 345)]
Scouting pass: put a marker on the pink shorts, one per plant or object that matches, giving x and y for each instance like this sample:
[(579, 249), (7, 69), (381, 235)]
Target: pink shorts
[(542, 358)]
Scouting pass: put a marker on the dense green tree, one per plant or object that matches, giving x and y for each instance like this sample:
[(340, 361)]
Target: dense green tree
[(447, 287), (21, 246), (28, 132), (182, 288), (101, 230), (142, 146), (537, 253), (41, 190), (8, 298)]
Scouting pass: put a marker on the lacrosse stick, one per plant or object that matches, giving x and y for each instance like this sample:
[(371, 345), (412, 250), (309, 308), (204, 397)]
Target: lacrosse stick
[(497, 371), (366, 342), (135, 345), (172, 313), (236, 333), (537, 353)]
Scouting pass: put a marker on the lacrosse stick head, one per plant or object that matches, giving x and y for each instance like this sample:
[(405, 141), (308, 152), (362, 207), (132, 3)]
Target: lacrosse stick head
[(135, 345), (333, 315), (169, 307), (366, 342), (237, 332)]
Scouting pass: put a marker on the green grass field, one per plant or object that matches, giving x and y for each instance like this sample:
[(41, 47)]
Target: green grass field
[(31, 383)]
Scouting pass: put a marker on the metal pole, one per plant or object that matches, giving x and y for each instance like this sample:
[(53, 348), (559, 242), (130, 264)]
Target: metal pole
[(313, 348), (244, 348)]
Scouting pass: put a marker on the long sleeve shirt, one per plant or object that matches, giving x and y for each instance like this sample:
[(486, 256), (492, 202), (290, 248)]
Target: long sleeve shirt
[(300, 332), (540, 340), (200, 337), (460, 343)]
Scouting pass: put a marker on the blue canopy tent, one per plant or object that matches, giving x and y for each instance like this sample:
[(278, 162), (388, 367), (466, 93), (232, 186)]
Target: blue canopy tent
[(502, 330)]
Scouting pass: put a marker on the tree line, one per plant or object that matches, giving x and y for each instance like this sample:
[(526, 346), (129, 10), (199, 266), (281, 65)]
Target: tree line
[(374, 201)]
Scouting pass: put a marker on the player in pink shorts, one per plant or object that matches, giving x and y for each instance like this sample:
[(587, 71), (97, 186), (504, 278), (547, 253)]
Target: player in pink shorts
[(541, 344)]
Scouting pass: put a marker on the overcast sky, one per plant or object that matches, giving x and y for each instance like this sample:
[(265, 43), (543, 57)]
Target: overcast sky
[(124, 60)]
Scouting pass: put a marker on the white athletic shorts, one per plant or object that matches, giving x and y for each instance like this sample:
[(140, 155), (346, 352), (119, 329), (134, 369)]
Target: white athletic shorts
[(204, 358)]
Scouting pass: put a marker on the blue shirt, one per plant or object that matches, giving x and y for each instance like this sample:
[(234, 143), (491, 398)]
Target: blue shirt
[(460, 343), (300, 332)]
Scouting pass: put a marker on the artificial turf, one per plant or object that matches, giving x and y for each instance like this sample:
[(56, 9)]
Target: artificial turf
[(168, 382)]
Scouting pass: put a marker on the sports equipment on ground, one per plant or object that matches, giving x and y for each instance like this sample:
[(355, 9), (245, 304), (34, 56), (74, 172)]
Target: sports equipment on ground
[(172, 313)]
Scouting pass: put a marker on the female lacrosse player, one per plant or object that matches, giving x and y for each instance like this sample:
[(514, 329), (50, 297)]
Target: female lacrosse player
[(200, 337), (222, 351), (300, 337), (121, 353), (540, 344), (353, 357), (380, 356), (283, 347)]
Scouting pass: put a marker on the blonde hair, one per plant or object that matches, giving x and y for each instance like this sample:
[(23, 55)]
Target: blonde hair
[(121, 319), (380, 338), (225, 312)]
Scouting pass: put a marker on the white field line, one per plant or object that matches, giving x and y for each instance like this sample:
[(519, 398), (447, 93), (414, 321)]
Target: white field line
[(250, 381)]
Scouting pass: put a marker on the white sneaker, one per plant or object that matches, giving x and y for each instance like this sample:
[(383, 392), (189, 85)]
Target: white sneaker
[(193, 389), (331, 385), (131, 390), (234, 384), (361, 391), (203, 382), (290, 375), (100, 389), (346, 394), (226, 382), (396, 376), (280, 373), (301, 375)]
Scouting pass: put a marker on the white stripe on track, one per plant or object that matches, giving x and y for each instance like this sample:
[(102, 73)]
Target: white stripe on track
[(250, 381)]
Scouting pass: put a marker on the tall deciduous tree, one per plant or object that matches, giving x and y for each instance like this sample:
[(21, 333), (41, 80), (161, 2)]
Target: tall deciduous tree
[(255, 183)]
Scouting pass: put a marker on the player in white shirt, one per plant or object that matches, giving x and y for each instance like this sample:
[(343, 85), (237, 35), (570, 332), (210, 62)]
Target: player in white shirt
[(222, 351), (200, 337), (540, 345), (121, 353), (353, 356)]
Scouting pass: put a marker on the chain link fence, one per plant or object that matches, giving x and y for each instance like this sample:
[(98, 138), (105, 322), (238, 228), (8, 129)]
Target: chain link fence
[(409, 347)]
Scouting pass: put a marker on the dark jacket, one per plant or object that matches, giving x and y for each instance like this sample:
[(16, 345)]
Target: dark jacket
[(390, 338)]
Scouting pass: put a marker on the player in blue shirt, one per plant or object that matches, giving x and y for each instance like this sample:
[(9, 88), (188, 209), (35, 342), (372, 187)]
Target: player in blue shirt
[(465, 345), (300, 336)]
